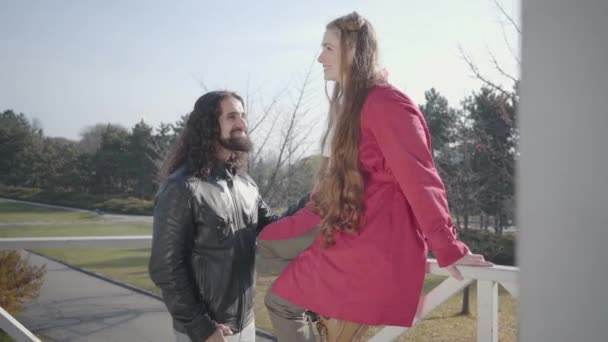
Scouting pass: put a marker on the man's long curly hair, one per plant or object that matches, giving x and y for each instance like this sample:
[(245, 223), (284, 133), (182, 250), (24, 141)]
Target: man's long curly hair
[(338, 194), (197, 144)]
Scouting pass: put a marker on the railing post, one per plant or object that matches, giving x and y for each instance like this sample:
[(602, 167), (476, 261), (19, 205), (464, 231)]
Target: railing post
[(487, 311)]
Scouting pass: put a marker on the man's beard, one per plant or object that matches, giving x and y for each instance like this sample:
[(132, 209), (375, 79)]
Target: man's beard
[(237, 144)]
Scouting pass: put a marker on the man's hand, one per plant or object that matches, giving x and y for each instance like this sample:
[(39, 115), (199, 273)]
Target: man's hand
[(216, 337), (225, 330), (467, 260)]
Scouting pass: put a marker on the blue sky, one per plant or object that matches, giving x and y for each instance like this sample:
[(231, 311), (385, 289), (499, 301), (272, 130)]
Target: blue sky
[(72, 64)]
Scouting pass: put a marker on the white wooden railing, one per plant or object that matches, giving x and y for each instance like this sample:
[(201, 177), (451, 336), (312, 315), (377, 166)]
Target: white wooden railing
[(15, 329), (487, 298), (487, 280)]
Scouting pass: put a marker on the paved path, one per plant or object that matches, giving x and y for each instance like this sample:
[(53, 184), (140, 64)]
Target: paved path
[(74, 306)]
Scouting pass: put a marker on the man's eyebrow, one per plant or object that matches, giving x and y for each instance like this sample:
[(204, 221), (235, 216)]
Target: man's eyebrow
[(235, 112)]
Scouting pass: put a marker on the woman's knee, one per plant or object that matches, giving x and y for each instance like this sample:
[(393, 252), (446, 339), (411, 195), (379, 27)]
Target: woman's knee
[(281, 307), (270, 299)]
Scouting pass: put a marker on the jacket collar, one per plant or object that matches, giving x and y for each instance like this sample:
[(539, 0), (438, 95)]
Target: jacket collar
[(222, 169)]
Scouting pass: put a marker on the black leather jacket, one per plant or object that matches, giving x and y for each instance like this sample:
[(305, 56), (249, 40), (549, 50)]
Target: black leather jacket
[(203, 249)]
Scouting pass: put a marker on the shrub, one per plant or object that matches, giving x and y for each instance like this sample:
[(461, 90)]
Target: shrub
[(499, 249), (130, 205), (19, 281)]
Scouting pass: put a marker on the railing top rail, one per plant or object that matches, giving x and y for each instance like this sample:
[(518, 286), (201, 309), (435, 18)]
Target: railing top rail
[(506, 274), (501, 274), (15, 329)]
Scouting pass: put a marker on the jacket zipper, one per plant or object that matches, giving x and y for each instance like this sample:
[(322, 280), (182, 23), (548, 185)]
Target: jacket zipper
[(240, 308)]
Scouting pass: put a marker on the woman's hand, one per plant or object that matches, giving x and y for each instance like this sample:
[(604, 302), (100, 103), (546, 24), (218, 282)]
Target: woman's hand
[(467, 260)]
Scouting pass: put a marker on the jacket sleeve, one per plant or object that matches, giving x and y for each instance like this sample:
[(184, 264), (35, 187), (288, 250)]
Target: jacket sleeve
[(173, 234), (402, 136), (297, 223), (266, 217)]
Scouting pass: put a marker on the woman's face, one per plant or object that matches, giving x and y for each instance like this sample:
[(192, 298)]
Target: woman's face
[(330, 55)]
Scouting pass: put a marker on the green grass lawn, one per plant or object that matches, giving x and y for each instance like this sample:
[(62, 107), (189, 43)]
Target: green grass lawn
[(4, 337), (17, 212), (130, 265), (127, 265)]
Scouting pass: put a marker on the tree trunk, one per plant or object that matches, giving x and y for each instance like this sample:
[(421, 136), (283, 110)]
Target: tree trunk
[(500, 222)]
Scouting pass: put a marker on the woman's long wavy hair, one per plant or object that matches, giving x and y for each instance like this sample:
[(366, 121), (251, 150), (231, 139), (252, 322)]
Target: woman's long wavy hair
[(196, 145), (338, 194)]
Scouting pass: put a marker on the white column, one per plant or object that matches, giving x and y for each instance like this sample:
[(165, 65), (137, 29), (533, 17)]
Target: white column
[(563, 174)]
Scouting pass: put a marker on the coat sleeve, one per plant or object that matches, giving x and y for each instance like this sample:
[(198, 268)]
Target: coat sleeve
[(402, 135)]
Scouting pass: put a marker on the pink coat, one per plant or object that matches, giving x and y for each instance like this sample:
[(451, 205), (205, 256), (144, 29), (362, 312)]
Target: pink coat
[(375, 277)]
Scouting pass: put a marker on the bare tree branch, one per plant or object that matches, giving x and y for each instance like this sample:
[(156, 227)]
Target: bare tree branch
[(248, 100), (291, 172), (261, 147), (306, 135), (285, 153), (508, 16), (266, 111), (479, 76), (506, 40), (477, 73), (200, 82), (500, 69)]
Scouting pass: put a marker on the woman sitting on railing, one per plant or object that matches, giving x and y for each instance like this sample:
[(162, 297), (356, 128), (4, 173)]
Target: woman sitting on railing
[(378, 202)]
